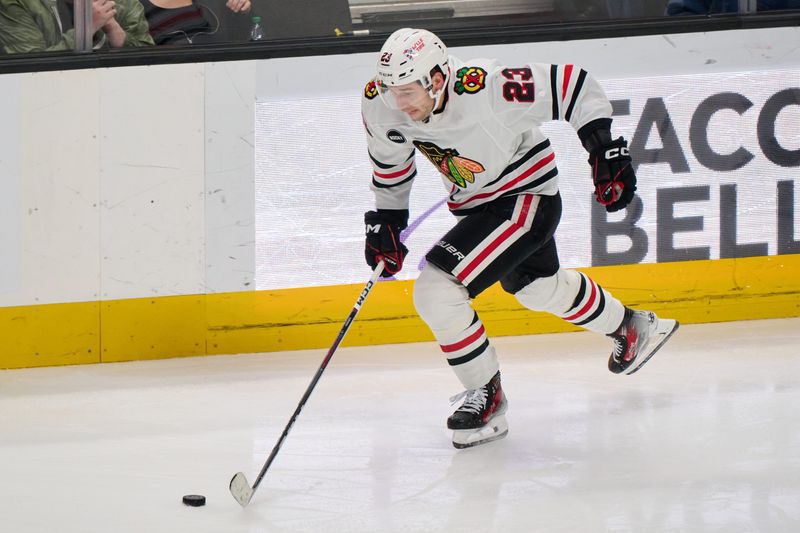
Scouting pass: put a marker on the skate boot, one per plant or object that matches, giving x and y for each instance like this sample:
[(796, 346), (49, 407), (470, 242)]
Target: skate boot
[(480, 419), (637, 339)]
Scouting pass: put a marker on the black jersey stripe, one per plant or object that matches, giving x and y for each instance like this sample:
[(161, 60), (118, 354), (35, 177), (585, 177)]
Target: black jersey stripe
[(579, 297), (575, 93), (521, 161), (600, 308), (470, 356), (554, 89), (513, 192), (384, 186), (379, 164), (544, 178), (532, 181), (384, 166)]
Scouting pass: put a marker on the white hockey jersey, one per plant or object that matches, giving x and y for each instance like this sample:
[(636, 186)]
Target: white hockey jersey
[(485, 142)]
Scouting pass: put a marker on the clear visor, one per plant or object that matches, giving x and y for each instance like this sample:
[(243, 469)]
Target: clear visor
[(403, 97)]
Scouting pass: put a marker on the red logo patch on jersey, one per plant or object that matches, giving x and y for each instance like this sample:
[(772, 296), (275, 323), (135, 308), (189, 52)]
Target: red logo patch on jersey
[(457, 169), (470, 80), (371, 90)]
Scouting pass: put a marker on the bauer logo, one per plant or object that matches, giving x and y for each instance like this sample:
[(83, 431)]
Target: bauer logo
[(452, 250), (395, 136)]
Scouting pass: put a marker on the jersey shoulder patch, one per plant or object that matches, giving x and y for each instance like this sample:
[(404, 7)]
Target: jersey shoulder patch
[(370, 90), (469, 80)]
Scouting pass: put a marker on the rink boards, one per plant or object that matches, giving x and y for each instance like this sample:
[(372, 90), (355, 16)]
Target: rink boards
[(236, 225), (306, 318)]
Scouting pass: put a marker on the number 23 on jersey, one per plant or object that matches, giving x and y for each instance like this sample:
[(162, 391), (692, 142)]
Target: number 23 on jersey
[(519, 88)]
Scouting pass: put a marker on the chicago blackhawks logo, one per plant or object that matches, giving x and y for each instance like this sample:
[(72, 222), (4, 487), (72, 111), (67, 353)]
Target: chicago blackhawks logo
[(470, 80), (370, 91), (457, 169)]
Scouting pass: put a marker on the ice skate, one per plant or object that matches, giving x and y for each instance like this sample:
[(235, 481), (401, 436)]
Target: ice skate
[(637, 339), (480, 419)]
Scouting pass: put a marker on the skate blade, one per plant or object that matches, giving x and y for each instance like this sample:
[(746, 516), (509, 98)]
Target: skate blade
[(666, 327), (496, 429)]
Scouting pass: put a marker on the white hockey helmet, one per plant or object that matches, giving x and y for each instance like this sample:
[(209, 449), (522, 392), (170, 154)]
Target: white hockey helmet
[(412, 55)]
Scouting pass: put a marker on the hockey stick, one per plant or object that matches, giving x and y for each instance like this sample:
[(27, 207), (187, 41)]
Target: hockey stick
[(240, 488)]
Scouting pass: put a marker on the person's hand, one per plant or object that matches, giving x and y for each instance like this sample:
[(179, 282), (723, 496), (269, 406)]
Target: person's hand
[(612, 174), (102, 12), (383, 229), (115, 33), (238, 6)]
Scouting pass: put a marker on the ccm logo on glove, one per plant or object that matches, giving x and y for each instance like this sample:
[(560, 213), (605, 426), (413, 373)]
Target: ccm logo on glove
[(615, 152), (612, 174)]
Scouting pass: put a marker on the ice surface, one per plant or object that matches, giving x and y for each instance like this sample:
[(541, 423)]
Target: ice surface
[(704, 438)]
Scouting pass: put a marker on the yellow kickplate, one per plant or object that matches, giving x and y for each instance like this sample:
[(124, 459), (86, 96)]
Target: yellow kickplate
[(153, 328), (291, 319), (50, 335)]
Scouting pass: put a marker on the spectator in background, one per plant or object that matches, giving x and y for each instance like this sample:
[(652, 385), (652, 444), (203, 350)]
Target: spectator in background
[(184, 21), (579, 10), (48, 25), (705, 7), (701, 7), (626, 9)]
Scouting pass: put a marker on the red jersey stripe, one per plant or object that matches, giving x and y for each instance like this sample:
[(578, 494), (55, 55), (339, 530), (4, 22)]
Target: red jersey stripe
[(586, 307), (463, 343), (567, 74), (390, 175), (509, 185), (486, 251), (526, 206)]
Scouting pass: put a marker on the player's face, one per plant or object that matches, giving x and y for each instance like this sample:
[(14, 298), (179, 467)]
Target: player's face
[(412, 99)]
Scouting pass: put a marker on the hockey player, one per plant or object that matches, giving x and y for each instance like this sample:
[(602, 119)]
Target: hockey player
[(478, 123)]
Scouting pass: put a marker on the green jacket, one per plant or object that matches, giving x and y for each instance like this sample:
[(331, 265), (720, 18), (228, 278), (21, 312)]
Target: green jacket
[(33, 26)]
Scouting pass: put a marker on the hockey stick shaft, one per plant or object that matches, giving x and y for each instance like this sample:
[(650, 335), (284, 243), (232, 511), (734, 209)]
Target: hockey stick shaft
[(242, 495)]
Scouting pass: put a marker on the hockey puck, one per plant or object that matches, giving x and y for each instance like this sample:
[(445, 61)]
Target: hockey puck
[(194, 500)]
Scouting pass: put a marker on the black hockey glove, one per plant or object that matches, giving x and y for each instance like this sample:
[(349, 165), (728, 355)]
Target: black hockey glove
[(612, 174), (383, 229)]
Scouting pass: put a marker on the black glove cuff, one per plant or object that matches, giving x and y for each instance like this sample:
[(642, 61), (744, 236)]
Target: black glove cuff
[(394, 217), (595, 134)]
